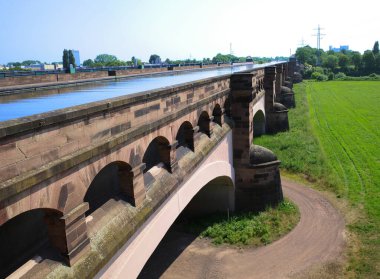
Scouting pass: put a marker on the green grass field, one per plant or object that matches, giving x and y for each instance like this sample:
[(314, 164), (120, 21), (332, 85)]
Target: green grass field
[(334, 142)]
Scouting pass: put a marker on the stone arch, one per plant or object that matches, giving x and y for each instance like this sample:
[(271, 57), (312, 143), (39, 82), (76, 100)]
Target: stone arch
[(217, 195), (217, 114), (227, 107), (258, 123), (204, 123), (144, 244), (157, 154), (114, 181), (37, 232), (185, 138)]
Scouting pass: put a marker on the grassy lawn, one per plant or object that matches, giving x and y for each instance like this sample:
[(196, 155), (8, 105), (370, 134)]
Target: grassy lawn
[(247, 228), (334, 142)]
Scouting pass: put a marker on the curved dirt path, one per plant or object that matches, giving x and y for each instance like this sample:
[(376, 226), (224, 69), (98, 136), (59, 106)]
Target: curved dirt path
[(316, 240)]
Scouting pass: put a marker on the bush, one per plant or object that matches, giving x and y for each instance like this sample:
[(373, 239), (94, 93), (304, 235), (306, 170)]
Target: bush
[(341, 76), (322, 78), (308, 70), (318, 76), (318, 70), (315, 75)]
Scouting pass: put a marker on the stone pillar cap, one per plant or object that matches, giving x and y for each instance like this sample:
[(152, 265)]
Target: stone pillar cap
[(260, 155)]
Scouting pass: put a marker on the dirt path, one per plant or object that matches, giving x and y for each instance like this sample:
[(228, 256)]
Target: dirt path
[(317, 239)]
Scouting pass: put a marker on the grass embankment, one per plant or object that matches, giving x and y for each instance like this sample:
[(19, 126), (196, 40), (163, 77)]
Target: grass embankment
[(334, 141), (247, 228)]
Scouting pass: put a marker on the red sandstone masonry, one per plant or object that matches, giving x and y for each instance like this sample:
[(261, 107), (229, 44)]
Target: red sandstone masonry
[(63, 151), (47, 194), (10, 81), (34, 148)]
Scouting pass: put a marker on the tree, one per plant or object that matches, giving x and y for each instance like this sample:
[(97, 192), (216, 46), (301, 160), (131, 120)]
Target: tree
[(65, 59), (377, 63), (206, 60), (307, 55), (343, 61), (224, 58), (134, 61), (368, 62), (88, 63), (72, 59), (155, 59), (14, 64), (375, 49), (356, 59), (330, 61), (30, 62), (105, 59)]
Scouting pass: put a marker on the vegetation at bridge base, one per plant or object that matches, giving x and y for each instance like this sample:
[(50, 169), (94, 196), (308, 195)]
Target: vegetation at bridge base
[(247, 228), (334, 143)]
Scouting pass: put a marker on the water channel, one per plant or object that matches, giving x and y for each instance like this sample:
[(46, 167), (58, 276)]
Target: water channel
[(26, 104)]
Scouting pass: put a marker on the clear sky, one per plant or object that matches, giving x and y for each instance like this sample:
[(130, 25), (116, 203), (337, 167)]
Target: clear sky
[(179, 29)]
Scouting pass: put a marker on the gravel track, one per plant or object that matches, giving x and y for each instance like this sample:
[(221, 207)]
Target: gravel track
[(316, 240)]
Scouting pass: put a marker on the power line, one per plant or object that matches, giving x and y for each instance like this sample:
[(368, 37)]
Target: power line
[(319, 37), (302, 43)]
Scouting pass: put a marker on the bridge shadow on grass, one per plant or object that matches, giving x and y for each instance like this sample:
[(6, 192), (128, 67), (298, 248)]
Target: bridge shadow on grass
[(169, 249)]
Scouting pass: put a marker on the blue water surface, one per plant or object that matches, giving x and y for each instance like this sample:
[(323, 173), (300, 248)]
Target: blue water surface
[(27, 104)]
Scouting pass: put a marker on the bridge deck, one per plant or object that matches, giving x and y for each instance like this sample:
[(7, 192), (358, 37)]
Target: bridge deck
[(41, 101)]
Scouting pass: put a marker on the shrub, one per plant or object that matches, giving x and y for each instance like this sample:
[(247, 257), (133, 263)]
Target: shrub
[(341, 76), (315, 75), (322, 78), (318, 76), (318, 70)]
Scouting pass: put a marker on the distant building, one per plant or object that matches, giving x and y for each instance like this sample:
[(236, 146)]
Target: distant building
[(76, 56), (34, 67), (58, 66), (47, 67), (335, 49)]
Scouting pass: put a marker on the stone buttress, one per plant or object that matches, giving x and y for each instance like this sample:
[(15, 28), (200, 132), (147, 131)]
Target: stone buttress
[(257, 176)]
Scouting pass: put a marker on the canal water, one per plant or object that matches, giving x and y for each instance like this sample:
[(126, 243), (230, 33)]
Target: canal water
[(27, 104)]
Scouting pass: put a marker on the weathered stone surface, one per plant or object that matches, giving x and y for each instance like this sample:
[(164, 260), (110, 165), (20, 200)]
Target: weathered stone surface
[(57, 174), (260, 155)]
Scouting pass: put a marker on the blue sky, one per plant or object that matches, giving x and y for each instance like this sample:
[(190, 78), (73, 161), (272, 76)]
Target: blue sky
[(41, 29)]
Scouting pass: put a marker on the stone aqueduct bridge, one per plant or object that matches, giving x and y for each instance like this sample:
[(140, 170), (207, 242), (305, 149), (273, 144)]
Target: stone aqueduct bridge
[(92, 189)]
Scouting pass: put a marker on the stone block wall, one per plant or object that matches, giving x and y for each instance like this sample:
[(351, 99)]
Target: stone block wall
[(27, 145), (49, 161), (261, 187), (257, 184), (11, 81)]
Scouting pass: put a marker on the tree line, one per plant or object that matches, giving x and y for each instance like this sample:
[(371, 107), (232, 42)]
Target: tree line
[(109, 60), (346, 62)]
